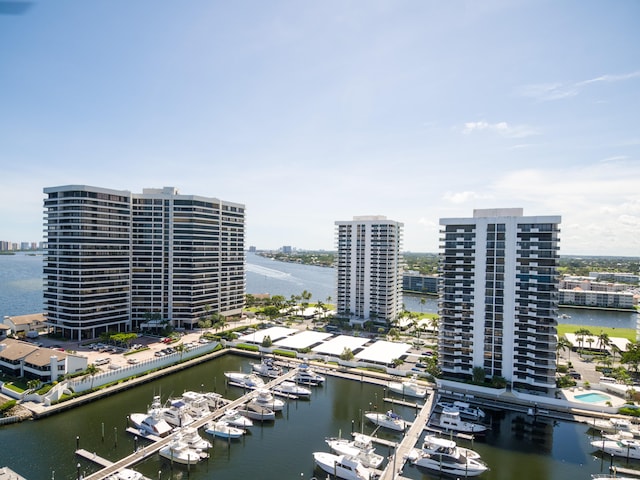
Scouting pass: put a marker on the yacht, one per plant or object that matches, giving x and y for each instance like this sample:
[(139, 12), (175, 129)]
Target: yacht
[(361, 447), (306, 376), (152, 422), (192, 438), (450, 420), (292, 390), (235, 419), (265, 398), (179, 452), (342, 466), (197, 404), (177, 414), (445, 456), (223, 430), (463, 408), (389, 420), (615, 425), (127, 474), (625, 448), (244, 380), (254, 411), (409, 388), (267, 368)]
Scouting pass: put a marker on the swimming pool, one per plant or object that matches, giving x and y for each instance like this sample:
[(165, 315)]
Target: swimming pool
[(593, 397)]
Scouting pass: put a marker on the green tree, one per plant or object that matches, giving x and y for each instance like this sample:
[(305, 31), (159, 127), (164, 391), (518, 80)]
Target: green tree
[(91, 371), (562, 345), (33, 384), (478, 375), (631, 356), (603, 341), (347, 354), (266, 341), (181, 349)]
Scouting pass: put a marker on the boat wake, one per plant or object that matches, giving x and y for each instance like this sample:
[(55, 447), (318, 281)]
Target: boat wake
[(269, 272)]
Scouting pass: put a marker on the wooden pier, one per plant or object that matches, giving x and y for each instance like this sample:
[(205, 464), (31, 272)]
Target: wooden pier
[(411, 437), (87, 455), (152, 449)]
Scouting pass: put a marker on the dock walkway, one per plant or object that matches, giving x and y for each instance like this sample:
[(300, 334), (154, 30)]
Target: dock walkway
[(153, 448), (411, 437)]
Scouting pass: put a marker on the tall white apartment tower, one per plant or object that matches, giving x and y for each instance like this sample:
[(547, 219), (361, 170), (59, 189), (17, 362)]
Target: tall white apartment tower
[(498, 297), (116, 260), (369, 273)]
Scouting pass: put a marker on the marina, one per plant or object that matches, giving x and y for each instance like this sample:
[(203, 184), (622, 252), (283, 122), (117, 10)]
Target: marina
[(550, 445)]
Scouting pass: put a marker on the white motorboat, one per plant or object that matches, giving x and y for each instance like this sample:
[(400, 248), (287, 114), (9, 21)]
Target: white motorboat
[(127, 474), (177, 414), (192, 438), (388, 419), (236, 419), (450, 420), (244, 380), (361, 447), (342, 466), (152, 422), (292, 389), (463, 408), (445, 456), (625, 448), (267, 368), (179, 452), (254, 411), (306, 376), (197, 404), (223, 430), (616, 425), (409, 388), (265, 398)]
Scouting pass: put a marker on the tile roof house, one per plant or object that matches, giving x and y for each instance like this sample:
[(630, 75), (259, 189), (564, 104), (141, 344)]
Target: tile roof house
[(23, 359)]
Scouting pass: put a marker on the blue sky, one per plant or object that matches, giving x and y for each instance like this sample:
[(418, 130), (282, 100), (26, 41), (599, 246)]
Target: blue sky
[(310, 112)]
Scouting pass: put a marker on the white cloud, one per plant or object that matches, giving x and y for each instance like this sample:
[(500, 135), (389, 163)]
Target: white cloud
[(461, 197), (548, 91), (558, 91), (501, 128), (607, 78)]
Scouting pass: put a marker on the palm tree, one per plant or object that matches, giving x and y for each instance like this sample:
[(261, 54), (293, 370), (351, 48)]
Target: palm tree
[(603, 340), (563, 344), (92, 370), (180, 348), (581, 334)]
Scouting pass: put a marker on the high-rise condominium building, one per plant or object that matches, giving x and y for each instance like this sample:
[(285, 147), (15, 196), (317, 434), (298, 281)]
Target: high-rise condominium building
[(369, 273), (499, 297), (116, 260)]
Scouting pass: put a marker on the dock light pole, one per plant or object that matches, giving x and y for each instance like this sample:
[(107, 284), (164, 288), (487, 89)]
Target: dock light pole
[(78, 471), (77, 442)]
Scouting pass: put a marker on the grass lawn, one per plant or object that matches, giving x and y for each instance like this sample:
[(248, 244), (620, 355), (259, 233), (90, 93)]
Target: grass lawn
[(628, 333)]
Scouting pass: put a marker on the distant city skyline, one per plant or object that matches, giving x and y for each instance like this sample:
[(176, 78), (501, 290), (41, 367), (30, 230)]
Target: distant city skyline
[(308, 113)]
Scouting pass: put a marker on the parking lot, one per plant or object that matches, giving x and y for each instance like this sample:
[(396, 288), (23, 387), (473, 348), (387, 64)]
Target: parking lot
[(106, 356)]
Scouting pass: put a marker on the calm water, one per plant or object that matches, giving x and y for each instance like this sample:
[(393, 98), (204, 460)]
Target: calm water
[(21, 288), (516, 446)]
